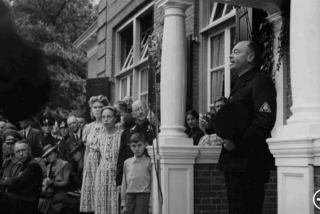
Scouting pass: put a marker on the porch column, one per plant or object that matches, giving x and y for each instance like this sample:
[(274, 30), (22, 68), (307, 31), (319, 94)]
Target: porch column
[(296, 145), (176, 152), (173, 75)]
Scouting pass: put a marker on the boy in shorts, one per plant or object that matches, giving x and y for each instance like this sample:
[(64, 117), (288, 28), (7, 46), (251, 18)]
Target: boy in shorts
[(136, 180)]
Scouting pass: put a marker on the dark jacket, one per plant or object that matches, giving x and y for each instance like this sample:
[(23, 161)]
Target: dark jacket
[(196, 134), (63, 148), (248, 121), (72, 143), (49, 139), (33, 139), (125, 152), (24, 189)]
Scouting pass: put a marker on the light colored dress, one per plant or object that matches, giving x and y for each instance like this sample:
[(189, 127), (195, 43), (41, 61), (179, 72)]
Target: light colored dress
[(106, 194), (210, 140), (91, 135)]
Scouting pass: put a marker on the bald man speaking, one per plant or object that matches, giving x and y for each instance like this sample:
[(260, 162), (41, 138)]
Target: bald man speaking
[(244, 124)]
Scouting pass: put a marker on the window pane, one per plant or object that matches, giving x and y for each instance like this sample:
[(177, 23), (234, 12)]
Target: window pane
[(233, 39), (123, 88), (144, 81), (216, 82), (146, 30), (229, 8), (233, 42), (126, 46), (219, 11), (217, 50)]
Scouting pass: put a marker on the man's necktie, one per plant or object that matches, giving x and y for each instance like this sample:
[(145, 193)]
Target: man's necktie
[(24, 134)]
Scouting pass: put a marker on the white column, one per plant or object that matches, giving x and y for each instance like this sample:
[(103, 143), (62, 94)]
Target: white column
[(296, 145), (173, 75), (176, 152), (305, 63)]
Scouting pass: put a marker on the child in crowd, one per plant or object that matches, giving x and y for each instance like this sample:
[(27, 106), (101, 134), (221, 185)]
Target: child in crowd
[(136, 181)]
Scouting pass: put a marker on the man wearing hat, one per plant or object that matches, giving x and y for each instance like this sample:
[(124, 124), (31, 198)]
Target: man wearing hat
[(244, 124), (11, 165), (32, 137), (47, 123), (62, 145)]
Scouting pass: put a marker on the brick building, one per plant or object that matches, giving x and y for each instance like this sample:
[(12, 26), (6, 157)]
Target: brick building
[(198, 36)]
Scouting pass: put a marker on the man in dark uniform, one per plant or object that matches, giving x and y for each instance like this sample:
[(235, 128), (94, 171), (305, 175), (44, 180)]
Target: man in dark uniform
[(62, 145), (244, 124), (139, 112), (47, 123)]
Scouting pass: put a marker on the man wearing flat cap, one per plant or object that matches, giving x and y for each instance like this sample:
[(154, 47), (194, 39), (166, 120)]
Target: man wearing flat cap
[(244, 124), (32, 137), (62, 145), (47, 123)]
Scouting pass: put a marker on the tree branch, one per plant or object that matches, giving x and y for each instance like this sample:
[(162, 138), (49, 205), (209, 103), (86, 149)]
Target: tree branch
[(57, 15)]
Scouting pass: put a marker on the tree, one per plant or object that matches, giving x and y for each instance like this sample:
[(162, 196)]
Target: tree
[(52, 26)]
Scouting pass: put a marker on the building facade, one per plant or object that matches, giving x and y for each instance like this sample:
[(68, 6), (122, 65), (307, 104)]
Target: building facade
[(197, 38)]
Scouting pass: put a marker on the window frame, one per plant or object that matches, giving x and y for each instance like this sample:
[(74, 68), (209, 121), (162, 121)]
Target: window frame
[(227, 73), (208, 29), (139, 62)]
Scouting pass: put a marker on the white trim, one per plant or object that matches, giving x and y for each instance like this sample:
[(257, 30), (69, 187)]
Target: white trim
[(92, 51), (218, 21), (135, 17)]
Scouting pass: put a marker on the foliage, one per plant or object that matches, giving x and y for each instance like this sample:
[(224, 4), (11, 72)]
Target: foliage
[(284, 36), (264, 36), (52, 26)]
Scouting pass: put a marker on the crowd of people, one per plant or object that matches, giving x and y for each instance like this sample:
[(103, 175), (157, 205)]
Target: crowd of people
[(68, 166), (81, 167)]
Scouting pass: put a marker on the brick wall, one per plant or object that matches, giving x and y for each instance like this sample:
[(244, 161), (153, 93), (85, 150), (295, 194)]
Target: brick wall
[(316, 184), (210, 195)]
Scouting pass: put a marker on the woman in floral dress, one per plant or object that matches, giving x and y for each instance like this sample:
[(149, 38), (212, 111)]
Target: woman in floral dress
[(91, 135), (106, 194)]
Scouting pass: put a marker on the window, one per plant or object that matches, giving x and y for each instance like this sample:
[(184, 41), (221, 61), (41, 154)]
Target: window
[(218, 34), (220, 79), (126, 86), (127, 47), (132, 55), (143, 93)]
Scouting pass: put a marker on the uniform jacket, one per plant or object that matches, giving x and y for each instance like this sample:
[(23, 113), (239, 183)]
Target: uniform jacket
[(256, 94), (24, 189), (72, 143), (49, 139), (34, 138), (125, 151)]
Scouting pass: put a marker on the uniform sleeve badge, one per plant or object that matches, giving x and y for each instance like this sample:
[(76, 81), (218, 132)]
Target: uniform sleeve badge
[(265, 108)]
